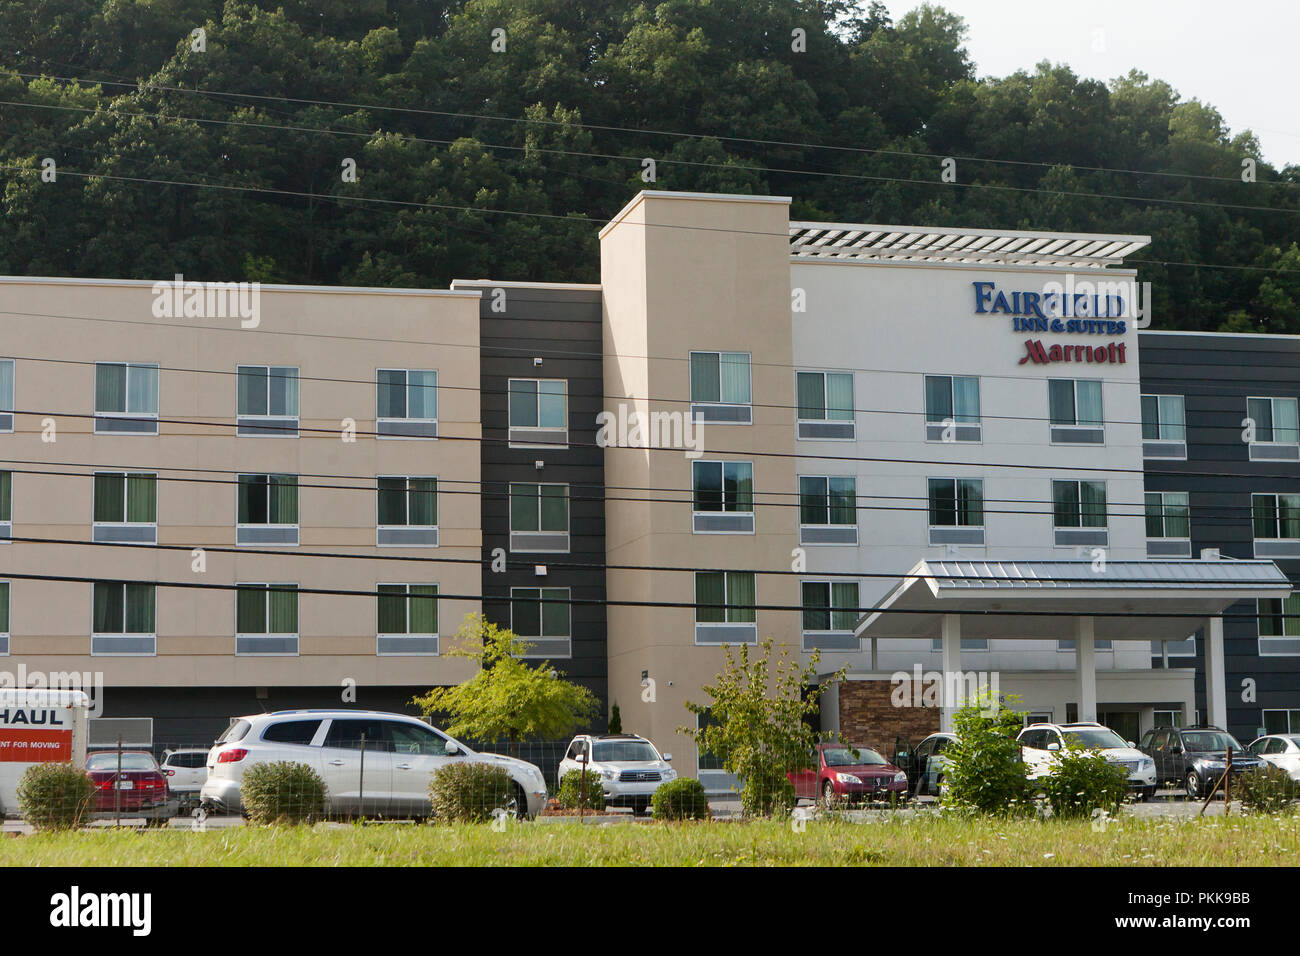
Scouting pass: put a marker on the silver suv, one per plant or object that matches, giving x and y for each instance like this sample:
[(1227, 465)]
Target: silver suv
[(630, 767), (373, 763)]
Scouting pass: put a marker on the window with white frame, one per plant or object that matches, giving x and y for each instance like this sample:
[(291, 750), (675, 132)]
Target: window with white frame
[(722, 497), (725, 607), (541, 617), (830, 611), (406, 403), (952, 408), (408, 619), (956, 507), (1075, 411), (538, 412), (1275, 517), (4, 618), (1168, 718), (408, 511), (6, 395), (266, 618), (1079, 512), (126, 398), (1274, 420), (539, 517), (122, 618), (1279, 626), (721, 388), (1281, 721), (825, 405), (1164, 426), (6, 504), (267, 509), (1168, 524), (267, 404), (828, 509), (126, 507)]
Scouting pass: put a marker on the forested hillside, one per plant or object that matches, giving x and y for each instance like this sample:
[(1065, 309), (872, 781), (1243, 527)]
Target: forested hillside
[(226, 162)]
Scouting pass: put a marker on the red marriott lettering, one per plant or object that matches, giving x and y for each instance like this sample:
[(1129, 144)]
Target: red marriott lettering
[(1034, 352)]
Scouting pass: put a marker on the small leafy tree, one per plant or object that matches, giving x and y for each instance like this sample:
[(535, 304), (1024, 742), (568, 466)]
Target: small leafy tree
[(984, 773), (615, 720), (1082, 782), (758, 723), (54, 796), (508, 698)]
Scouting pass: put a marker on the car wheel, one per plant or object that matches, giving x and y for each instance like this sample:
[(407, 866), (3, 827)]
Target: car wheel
[(829, 796), (1148, 794), (1192, 785), (518, 803)]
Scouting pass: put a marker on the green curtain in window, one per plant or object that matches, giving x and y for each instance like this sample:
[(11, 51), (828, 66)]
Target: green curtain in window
[(843, 501), (424, 609), (108, 610), (710, 594), (1089, 398), (283, 381), (813, 500), (110, 388), (740, 591), (1264, 511), (392, 609), (812, 396), (141, 498), (523, 507), (938, 398), (6, 385), (1092, 504), (554, 508), (4, 607), (738, 486), (839, 396), (1285, 425), (282, 610), (392, 501), (816, 606), (250, 609), (1154, 515), (1170, 412), (1269, 613), (844, 598), (526, 612), (705, 377), (733, 374), (423, 502), (1290, 623), (6, 495), (966, 400), (284, 499), (1150, 417), (390, 399), (1060, 401), (1288, 515), (139, 608), (1065, 504), (423, 392), (109, 496), (142, 390), (970, 502), (1177, 514), (555, 612), (252, 390), (523, 403)]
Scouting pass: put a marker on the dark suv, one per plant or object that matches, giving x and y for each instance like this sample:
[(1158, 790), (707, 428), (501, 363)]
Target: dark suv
[(1194, 757)]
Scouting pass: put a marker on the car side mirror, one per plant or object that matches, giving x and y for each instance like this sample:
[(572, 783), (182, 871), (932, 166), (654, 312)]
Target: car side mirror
[(902, 755), (668, 758), (1053, 747), (1131, 744), (450, 748)]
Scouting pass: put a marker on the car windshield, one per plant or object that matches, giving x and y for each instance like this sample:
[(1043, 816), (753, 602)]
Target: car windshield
[(1210, 741), (108, 761), (1099, 737), (629, 751), (843, 757)]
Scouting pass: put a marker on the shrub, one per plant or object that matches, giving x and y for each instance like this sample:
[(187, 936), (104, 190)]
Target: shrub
[(1082, 782), (615, 720), (54, 796), (767, 794), (469, 792), (282, 792), (680, 799), (984, 773), (1268, 790), (570, 792)]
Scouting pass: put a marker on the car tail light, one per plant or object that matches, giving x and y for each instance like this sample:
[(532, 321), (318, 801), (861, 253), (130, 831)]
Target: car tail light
[(170, 773), (232, 756)]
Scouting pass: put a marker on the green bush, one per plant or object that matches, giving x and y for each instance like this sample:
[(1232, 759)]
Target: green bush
[(766, 795), (282, 792), (680, 799), (1268, 790), (468, 792), (54, 796), (570, 792), (984, 773), (1082, 782)]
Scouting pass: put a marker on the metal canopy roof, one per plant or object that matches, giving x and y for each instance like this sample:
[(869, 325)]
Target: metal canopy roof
[(875, 243), (978, 590)]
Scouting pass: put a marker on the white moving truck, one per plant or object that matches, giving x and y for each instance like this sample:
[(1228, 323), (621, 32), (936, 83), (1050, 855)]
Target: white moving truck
[(39, 726)]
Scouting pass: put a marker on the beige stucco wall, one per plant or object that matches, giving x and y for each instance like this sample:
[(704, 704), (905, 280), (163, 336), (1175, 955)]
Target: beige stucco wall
[(338, 339)]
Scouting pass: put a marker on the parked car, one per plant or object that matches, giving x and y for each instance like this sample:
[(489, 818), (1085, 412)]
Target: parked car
[(186, 770), (1281, 750), (630, 767), (129, 783), (924, 765), (852, 774), (1042, 744), (1194, 756), (373, 763)]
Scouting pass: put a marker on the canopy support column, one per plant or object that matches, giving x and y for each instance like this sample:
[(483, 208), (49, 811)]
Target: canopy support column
[(1216, 687), (951, 667), (1085, 667)]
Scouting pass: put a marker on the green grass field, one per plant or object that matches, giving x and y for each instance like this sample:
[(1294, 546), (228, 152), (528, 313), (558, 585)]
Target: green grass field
[(924, 841)]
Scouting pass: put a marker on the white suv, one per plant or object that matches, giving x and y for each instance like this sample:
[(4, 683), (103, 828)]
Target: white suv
[(630, 767), (186, 770), (1042, 744), (373, 763)]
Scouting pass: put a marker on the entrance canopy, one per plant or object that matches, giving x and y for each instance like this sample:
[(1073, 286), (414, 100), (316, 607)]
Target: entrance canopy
[(1045, 598)]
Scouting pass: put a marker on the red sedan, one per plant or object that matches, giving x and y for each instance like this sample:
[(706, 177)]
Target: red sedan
[(849, 774), (131, 783)]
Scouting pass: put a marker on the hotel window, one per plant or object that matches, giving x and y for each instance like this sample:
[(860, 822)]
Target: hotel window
[(126, 507), (956, 510), (707, 763), (123, 618), (1277, 431), (723, 494), (952, 408), (1172, 649), (267, 511), (828, 509), (541, 617), (1276, 520), (539, 412), (1074, 409), (1168, 525), (267, 401), (825, 405), (830, 610), (715, 621), (1164, 427), (406, 403), (720, 388), (4, 618), (967, 644), (408, 619), (408, 511), (539, 517), (1281, 721), (6, 395), (1079, 512), (1168, 718), (126, 398), (266, 618), (1279, 625), (6, 504)]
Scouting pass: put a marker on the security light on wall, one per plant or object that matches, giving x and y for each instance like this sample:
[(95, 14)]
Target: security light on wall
[(539, 464), (537, 361), (539, 570)]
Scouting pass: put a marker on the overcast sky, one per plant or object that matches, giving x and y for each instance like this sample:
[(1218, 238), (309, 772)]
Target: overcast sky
[(1239, 57)]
